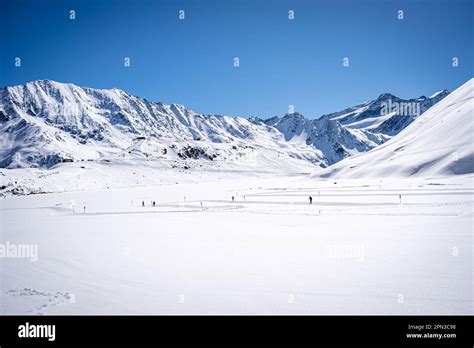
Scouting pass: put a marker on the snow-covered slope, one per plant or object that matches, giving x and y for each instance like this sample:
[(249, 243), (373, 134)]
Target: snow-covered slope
[(373, 117), (354, 130), (440, 142), (334, 140)]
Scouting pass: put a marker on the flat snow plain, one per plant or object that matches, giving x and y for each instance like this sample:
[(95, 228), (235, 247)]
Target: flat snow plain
[(355, 250)]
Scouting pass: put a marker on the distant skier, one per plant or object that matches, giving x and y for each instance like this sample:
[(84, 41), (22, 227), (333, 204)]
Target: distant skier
[(154, 203), (143, 203), (400, 197), (232, 199), (310, 200), (84, 208)]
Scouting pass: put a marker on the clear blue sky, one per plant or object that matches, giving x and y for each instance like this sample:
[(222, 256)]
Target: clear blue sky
[(282, 61)]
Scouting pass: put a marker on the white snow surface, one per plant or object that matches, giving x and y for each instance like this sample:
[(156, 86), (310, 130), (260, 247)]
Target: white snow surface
[(355, 250)]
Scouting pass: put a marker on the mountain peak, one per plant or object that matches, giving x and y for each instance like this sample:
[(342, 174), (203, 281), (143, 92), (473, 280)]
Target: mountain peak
[(47, 83), (385, 96), (443, 92), (294, 115)]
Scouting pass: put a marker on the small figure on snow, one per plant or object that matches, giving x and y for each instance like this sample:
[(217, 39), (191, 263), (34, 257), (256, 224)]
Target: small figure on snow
[(154, 203), (400, 197), (143, 203), (310, 200), (232, 199)]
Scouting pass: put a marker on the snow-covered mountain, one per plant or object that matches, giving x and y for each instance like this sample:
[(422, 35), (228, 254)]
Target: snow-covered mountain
[(45, 122), (375, 116), (440, 142), (333, 139), (354, 130)]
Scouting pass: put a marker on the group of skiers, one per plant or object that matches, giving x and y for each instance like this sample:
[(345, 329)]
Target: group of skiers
[(233, 199), (153, 203), (310, 198)]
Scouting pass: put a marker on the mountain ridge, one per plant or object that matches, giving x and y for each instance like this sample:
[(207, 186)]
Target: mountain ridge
[(44, 122), (438, 143)]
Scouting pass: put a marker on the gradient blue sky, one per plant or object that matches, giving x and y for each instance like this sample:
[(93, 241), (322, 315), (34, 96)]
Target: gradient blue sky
[(283, 62)]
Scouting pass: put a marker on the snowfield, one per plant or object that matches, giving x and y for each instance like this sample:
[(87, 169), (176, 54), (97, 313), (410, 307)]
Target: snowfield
[(355, 250)]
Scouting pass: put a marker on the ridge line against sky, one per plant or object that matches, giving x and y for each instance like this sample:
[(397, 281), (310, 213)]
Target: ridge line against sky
[(283, 61), (203, 112)]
